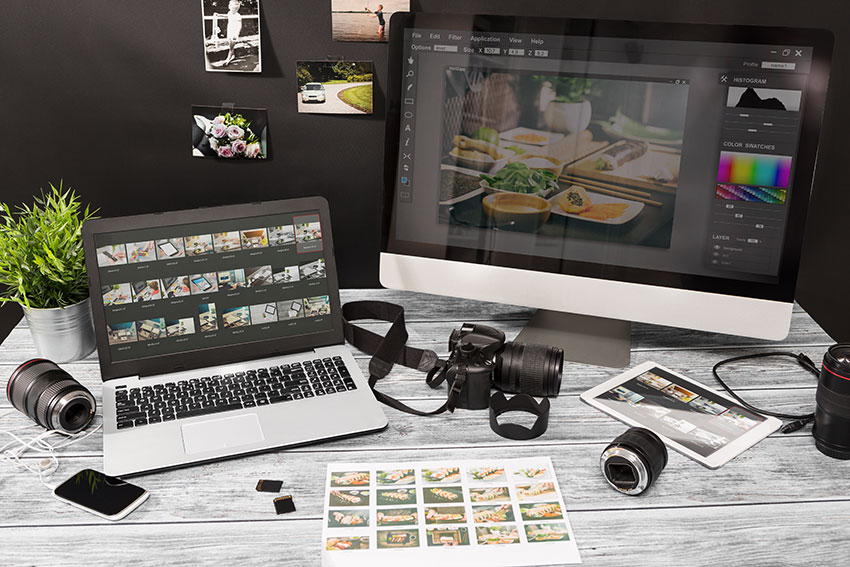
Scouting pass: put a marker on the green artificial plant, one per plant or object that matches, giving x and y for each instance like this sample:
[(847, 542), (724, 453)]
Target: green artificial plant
[(42, 264)]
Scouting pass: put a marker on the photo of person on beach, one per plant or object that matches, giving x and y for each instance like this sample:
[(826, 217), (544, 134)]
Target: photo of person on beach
[(379, 14), (356, 20)]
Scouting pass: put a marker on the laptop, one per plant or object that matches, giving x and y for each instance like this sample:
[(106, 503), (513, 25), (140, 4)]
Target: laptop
[(214, 371)]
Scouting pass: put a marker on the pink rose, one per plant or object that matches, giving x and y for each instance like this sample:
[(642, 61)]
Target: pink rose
[(218, 130), (214, 143), (218, 119), (239, 146), (234, 132), (253, 150), (225, 151)]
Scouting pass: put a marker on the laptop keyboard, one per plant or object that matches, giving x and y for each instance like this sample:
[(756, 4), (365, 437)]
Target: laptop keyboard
[(136, 407)]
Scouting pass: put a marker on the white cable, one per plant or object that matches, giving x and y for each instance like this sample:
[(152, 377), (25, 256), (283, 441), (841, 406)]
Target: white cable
[(14, 450)]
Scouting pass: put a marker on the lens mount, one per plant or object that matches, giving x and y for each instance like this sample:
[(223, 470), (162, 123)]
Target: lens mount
[(73, 411), (613, 457)]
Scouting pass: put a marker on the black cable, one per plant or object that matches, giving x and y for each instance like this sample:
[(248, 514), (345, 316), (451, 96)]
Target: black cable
[(799, 421)]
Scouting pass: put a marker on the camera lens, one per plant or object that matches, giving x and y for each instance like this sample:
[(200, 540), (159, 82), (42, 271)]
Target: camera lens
[(50, 396), (832, 410), (529, 369), (633, 461)]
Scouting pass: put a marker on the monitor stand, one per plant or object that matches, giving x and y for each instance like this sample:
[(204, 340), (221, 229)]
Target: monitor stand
[(587, 339)]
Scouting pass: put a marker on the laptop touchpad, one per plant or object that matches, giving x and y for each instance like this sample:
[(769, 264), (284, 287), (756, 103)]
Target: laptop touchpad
[(221, 433)]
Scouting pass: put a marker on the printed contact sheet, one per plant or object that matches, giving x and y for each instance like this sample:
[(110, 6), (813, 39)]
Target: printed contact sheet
[(498, 512)]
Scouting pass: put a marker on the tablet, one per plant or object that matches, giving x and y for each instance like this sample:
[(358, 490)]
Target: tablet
[(698, 422), (202, 283), (168, 248)]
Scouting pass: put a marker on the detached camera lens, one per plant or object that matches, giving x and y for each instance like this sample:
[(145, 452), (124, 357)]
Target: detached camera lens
[(50, 396), (529, 369), (832, 410), (633, 461)]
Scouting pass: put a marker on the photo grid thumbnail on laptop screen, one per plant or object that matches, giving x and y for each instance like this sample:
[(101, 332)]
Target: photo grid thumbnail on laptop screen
[(205, 285), (682, 411)]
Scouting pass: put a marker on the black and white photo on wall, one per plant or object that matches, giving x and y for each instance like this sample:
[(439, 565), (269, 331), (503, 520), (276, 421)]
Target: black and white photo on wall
[(232, 35), (334, 87), (364, 20), (229, 133)]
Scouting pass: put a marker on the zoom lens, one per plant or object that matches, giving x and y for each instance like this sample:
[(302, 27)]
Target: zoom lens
[(633, 461), (50, 396), (832, 410), (529, 369)]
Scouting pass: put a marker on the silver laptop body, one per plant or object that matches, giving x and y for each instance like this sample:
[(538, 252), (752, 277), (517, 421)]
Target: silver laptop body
[(171, 401)]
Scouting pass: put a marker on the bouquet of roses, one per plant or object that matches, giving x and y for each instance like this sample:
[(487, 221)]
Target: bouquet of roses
[(230, 136)]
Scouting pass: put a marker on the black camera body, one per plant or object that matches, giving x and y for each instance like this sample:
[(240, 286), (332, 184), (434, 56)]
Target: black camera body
[(481, 359)]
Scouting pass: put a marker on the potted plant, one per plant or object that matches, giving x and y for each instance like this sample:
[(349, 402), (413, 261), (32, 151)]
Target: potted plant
[(569, 112), (43, 269)]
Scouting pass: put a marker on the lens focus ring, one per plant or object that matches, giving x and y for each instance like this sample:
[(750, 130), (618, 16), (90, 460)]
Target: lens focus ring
[(22, 378), (532, 378)]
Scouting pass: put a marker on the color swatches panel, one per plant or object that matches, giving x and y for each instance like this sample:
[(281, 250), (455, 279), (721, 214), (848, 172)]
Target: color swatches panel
[(754, 169), (768, 195)]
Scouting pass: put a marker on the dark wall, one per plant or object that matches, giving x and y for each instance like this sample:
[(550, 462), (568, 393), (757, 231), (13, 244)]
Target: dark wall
[(99, 93)]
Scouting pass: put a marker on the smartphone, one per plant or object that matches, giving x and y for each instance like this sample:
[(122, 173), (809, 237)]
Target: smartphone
[(105, 496)]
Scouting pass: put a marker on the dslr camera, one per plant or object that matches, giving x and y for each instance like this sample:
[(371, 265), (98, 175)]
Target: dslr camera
[(481, 359)]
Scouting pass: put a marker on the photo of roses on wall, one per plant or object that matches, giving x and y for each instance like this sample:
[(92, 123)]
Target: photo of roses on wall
[(229, 133)]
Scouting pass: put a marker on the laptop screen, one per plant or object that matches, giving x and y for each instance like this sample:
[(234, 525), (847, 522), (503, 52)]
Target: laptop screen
[(187, 287)]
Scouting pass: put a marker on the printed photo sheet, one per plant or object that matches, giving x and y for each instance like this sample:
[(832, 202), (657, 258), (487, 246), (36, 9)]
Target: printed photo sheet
[(495, 512)]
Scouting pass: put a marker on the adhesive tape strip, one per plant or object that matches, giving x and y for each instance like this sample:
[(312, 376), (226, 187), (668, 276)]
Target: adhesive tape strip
[(499, 404)]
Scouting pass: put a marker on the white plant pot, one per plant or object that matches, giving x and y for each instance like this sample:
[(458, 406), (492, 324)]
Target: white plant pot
[(567, 117), (63, 334)]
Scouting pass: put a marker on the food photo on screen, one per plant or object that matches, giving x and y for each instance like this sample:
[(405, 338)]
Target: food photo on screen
[(229, 132), (572, 157)]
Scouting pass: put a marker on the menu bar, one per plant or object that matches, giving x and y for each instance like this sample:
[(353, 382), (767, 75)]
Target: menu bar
[(793, 59)]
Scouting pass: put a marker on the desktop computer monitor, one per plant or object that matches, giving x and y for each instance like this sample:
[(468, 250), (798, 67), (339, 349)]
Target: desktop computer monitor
[(625, 171)]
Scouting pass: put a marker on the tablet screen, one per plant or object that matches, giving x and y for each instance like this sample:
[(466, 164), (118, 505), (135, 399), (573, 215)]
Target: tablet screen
[(168, 249), (680, 410)]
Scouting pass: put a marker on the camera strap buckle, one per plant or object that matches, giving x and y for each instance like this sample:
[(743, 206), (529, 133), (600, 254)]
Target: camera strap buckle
[(391, 349), (457, 387)]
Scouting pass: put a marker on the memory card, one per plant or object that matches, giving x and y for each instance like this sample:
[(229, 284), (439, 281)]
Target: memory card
[(284, 504), (269, 485)]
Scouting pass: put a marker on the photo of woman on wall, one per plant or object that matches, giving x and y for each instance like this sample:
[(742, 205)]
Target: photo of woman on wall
[(232, 35)]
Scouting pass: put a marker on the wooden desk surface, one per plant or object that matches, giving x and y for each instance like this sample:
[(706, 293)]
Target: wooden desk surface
[(781, 502)]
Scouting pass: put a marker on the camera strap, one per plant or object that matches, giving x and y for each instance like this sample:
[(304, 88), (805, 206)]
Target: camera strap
[(392, 349)]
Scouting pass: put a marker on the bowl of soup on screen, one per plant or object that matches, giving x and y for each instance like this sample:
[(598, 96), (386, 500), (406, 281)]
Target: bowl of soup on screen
[(517, 210)]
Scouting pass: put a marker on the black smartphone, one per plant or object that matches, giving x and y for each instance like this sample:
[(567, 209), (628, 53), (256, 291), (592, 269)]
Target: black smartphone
[(102, 495)]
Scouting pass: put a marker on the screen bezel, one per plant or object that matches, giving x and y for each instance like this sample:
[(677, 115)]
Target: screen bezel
[(716, 459), (783, 290), (176, 362)]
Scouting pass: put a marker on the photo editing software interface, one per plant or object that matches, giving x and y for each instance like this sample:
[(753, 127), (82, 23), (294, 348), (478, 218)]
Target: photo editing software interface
[(682, 411), (679, 160), (211, 284)]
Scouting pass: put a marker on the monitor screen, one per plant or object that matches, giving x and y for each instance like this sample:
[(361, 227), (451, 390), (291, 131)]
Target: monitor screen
[(181, 288), (663, 154)]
